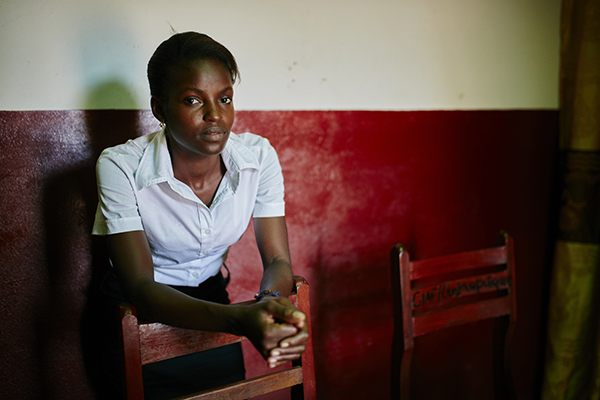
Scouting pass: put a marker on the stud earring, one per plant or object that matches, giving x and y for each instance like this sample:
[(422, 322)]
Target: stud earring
[(162, 124)]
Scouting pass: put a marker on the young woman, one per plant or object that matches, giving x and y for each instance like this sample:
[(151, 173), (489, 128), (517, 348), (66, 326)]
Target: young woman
[(173, 201)]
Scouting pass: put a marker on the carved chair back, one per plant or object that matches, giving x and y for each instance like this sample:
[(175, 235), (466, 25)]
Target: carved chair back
[(442, 292)]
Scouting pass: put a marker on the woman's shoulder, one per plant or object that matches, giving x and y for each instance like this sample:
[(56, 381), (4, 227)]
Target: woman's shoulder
[(252, 148), (250, 140), (133, 149)]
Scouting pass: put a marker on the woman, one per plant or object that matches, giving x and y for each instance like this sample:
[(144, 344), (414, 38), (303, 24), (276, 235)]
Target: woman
[(172, 202)]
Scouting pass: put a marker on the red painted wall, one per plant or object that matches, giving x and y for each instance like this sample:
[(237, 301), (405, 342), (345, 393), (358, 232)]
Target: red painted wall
[(356, 183)]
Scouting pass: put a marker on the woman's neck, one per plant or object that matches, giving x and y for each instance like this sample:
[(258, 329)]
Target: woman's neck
[(201, 173)]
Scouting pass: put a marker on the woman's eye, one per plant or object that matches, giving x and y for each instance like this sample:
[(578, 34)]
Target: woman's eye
[(192, 101), (226, 100)]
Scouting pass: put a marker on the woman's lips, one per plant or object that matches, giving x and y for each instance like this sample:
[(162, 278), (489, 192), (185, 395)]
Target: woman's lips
[(214, 133)]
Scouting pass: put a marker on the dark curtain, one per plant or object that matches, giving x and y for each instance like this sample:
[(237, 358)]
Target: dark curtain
[(573, 352)]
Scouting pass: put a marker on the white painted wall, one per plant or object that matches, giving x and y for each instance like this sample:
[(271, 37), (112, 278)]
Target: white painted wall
[(293, 54)]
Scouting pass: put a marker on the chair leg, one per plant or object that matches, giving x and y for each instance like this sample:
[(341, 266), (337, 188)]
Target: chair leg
[(130, 343), (503, 383), (309, 389), (400, 371)]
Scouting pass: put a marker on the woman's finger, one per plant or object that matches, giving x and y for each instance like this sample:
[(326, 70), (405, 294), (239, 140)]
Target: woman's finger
[(284, 310), (298, 339), (281, 356)]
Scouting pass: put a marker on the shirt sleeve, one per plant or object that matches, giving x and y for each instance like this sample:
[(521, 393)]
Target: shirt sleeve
[(270, 196), (117, 203)]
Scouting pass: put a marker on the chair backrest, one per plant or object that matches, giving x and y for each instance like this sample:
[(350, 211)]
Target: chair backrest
[(438, 293), (145, 343)]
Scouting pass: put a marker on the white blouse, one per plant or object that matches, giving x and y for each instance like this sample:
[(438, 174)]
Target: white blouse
[(188, 240)]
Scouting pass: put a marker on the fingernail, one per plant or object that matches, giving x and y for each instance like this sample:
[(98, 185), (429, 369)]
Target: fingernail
[(297, 314), (275, 352), (285, 344)]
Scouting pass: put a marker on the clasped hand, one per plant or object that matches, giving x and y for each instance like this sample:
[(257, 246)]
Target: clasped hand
[(277, 329)]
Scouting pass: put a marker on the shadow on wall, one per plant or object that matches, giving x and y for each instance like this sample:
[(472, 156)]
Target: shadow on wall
[(110, 94), (69, 203), (108, 55)]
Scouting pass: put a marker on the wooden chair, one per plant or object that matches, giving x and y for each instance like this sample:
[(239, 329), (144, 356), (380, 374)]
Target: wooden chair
[(437, 293), (145, 343)]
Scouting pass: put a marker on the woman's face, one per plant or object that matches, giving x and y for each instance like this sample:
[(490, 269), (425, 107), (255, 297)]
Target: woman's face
[(198, 111)]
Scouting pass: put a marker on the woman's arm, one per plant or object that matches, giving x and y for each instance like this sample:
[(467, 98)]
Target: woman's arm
[(131, 257), (272, 241)]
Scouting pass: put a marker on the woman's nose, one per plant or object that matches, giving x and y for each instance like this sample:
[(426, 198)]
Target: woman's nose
[(212, 113)]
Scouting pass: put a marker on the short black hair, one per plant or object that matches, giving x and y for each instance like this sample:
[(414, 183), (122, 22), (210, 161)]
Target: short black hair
[(179, 50)]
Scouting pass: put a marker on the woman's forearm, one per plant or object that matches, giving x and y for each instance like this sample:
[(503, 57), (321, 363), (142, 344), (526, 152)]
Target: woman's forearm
[(161, 303), (278, 277)]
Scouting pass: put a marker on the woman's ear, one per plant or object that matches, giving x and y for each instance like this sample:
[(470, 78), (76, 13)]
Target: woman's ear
[(157, 109)]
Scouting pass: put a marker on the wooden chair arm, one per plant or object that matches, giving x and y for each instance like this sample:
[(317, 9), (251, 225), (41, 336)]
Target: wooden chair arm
[(298, 281)]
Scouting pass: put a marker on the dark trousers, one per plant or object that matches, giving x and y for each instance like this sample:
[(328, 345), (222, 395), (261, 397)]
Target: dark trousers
[(195, 372)]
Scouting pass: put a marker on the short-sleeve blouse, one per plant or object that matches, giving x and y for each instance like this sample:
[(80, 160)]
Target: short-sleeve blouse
[(137, 190)]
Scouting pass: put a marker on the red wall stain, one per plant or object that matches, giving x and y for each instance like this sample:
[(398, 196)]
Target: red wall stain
[(357, 182)]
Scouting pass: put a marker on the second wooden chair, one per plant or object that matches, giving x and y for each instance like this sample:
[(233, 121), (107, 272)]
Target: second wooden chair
[(438, 293)]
